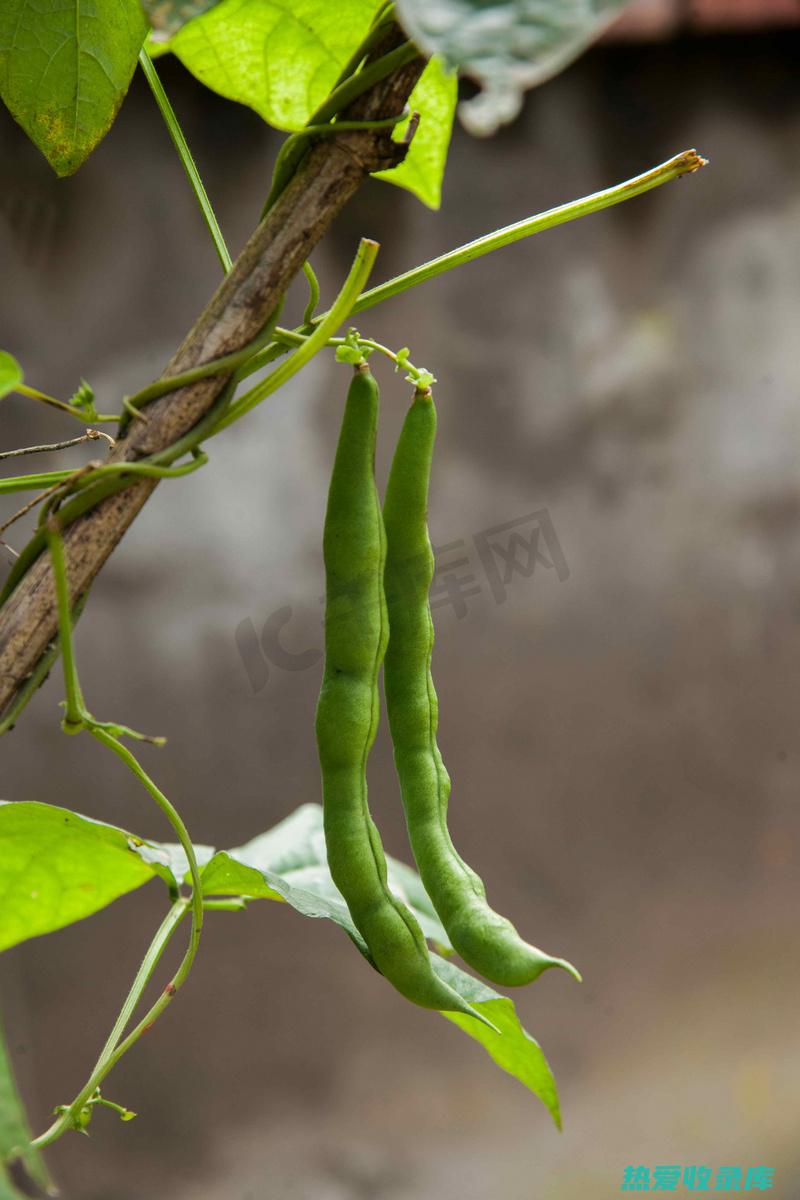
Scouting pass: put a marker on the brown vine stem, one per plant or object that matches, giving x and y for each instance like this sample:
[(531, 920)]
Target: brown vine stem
[(91, 435), (329, 175)]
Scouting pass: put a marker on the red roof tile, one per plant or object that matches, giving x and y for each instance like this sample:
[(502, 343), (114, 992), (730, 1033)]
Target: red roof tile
[(659, 18), (729, 13)]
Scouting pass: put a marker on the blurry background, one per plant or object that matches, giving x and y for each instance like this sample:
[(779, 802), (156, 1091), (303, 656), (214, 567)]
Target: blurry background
[(622, 739)]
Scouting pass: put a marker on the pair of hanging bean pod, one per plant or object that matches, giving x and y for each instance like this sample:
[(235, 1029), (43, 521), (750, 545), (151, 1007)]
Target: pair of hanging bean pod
[(379, 567)]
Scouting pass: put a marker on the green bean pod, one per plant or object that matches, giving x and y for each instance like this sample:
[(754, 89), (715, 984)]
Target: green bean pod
[(356, 631), (483, 938)]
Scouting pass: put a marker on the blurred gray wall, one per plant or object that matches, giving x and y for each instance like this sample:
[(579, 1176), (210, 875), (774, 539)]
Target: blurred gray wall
[(623, 741)]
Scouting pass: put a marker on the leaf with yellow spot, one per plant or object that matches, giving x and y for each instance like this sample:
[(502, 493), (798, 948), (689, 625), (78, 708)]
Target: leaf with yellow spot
[(65, 66)]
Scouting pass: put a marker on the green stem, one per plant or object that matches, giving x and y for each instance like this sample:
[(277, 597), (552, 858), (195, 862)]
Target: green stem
[(185, 155), (217, 366), (79, 413), (78, 717), (50, 492), (78, 714), (319, 123), (146, 470), (681, 164), (313, 292), (37, 676), (151, 959), (32, 483), (142, 470), (86, 476), (381, 23), (292, 337), (350, 89), (101, 1102), (110, 479), (74, 706), (340, 310), (143, 976)]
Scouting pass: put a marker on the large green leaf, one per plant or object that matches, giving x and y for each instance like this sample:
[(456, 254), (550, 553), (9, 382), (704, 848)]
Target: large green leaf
[(15, 1135), (434, 98), (281, 60), (65, 66), (57, 867), (10, 373), (506, 45)]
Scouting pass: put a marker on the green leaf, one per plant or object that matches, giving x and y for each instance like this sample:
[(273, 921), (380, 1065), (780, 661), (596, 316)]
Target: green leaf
[(10, 374), (513, 1048), (168, 16), (57, 867), (282, 60), (168, 859), (506, 45), (83, 398), (289, 863), (15, 1134), (434, 98), (65, 66)]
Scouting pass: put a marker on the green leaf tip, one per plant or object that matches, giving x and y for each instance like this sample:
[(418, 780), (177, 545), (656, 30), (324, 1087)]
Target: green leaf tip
[(15, 1138), (512, 1048), (11, 375), (422, 170), (65, 67)]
